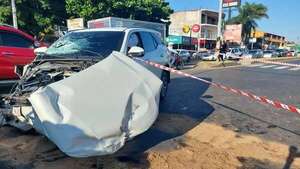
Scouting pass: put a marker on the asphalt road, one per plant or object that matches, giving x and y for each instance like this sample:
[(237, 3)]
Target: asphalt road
[(194, 102)]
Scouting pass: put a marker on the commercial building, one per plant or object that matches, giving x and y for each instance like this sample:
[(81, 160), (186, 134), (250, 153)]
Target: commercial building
[(268, 40), (207, 36)]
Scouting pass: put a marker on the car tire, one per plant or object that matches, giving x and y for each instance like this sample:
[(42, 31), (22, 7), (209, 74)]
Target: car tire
[(165, 78), (180, 66)]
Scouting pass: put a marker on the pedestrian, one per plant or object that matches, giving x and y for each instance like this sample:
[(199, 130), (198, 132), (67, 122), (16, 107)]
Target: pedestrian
[(223, 51)]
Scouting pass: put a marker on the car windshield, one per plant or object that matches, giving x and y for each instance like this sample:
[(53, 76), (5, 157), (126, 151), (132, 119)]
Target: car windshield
[(92, 44), (268, 52)]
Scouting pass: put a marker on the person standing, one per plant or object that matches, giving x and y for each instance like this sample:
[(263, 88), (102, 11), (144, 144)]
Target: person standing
[(223, 51)]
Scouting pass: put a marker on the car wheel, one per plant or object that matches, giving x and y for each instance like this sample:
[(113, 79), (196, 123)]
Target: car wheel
[(165, 78), (180, 66)]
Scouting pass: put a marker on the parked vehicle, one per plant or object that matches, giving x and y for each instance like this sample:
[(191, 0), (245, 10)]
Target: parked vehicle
[(291, 53), (185, 55), (199, 55), (269, 54), (16, 48), (234, 53), (211, 56), (175, 60), (192, 54), (282, 52), (256, 53)]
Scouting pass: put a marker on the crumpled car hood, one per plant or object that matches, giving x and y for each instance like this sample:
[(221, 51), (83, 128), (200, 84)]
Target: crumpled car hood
[(95, 111)]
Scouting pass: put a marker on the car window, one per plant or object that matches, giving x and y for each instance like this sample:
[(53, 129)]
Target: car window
[(1, 42), (157, 38), (155, 42), (135, 40), (148, 42), (15, 40), (86, 44)]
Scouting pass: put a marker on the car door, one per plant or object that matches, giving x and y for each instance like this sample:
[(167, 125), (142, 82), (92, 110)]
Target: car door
[(14, 50), (153, 52), (145, 41)]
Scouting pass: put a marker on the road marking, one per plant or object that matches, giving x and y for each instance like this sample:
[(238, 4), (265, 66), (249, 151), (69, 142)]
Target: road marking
[(256, 65), (268, 66), (295, 68), (281, 67)]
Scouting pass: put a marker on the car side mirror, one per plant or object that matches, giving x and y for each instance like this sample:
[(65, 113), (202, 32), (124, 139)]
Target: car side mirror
[(136, 51)]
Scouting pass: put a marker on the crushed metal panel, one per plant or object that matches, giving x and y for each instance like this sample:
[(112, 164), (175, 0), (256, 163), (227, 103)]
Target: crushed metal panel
[(96, 110)]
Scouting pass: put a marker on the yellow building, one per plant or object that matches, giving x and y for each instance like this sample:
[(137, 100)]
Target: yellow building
[(268, 39), (257, 34)]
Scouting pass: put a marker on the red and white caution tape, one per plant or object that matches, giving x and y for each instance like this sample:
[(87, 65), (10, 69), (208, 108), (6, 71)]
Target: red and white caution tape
[(271, 62), (276, 104)]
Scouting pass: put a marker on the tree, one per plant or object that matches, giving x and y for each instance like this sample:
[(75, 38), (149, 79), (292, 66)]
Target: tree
[(40, 16), (35, 16), (249, 13), (149, 10)]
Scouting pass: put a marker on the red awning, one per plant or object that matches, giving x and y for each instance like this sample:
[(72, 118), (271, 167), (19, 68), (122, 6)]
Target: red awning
[(195, 41)]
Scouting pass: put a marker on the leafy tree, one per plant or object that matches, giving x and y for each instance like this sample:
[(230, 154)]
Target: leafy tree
[(35, 16), (40, 16), (249, 13), (149, 10)]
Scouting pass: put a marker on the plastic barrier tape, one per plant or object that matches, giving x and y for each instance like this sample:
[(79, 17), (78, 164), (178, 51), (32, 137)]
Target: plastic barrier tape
[(276, 104)]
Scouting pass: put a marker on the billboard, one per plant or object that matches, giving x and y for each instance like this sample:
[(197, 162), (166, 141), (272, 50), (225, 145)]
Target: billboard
[(231, 3), (233, 33), (77, 23)]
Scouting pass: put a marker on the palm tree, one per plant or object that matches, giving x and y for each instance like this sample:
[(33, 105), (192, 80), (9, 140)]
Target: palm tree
[(249, 13)]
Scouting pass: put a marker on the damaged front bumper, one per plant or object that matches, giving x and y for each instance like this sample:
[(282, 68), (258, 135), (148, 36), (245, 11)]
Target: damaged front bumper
[(94, 111)]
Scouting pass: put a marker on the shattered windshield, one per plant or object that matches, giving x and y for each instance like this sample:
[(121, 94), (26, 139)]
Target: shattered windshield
[(99, 44)]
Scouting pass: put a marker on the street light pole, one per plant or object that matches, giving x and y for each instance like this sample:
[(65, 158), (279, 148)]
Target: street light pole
[(14, 13), (220, 18)]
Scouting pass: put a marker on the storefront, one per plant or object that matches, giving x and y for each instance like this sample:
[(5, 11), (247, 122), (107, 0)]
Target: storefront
[(184, 42)]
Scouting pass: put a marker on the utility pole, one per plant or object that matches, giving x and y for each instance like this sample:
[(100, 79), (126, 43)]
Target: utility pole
[(220, 18), (229, 13), (14, 13)]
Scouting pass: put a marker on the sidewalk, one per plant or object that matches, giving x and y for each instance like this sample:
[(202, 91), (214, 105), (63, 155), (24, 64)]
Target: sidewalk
[(230, 63)]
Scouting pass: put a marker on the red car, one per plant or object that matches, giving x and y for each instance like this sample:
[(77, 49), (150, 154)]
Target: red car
[(16, 48)]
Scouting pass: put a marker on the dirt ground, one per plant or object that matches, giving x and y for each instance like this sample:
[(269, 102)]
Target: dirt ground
[(207, 146)]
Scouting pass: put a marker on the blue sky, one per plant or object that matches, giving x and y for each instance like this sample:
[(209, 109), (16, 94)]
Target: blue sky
[(284, 15)]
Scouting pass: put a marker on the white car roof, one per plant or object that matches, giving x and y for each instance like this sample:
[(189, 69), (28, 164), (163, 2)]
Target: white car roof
[(117, 29)]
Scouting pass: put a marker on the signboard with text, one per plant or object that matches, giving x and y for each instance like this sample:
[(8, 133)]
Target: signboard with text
[(174, 39), (231, 3), (77, 23)]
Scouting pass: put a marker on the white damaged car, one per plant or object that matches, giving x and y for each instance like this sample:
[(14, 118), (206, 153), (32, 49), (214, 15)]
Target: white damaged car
[(86, 95)]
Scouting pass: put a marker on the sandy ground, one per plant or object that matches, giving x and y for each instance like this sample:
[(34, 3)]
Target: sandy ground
[(211, 146), (206, 146)]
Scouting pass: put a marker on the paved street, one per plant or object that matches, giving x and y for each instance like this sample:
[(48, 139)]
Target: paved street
[(193, 99)]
